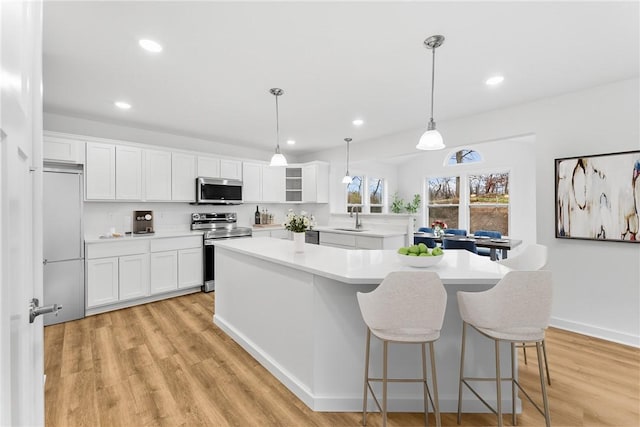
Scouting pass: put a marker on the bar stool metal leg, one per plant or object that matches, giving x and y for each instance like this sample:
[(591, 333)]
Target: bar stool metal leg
[(546, 362), (366, 378), (425, 389), (385, 348), (434, 381), (498, 385), (464, 336), (513, 384), (545, 400)]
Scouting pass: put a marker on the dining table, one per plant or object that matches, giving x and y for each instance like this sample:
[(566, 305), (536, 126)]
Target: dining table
[(503, 244)]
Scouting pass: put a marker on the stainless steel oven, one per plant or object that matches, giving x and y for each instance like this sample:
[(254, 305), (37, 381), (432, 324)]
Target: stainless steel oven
[(216, 226)]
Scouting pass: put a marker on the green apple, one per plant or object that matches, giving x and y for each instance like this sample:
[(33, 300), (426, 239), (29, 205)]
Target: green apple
[(414, 249), (412, 254), (437, 251), (423, 248), (403, 251)]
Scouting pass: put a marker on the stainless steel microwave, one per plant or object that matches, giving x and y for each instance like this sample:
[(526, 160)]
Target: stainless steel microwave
[(218, 191)]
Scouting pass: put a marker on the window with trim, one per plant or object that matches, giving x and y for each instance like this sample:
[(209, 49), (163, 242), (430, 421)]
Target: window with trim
[(355, 194), (366, 194), (444, 200), (489, 202), (468, 199), (376, 195)]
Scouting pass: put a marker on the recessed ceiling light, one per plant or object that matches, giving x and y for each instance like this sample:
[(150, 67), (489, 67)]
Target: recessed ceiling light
[(495, 80), (122, 105), (150, 45), (291, 142), (358, 122)]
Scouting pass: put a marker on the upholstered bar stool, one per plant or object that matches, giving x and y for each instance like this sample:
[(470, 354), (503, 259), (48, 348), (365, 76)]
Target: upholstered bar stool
[(516, 310), (407, 307), (533, 257)]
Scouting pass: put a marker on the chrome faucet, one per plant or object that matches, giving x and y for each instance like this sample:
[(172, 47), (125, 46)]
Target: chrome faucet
[(358, 222)]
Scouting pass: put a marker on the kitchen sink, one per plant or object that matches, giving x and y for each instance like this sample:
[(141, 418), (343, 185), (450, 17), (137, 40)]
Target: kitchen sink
[(350, 229)]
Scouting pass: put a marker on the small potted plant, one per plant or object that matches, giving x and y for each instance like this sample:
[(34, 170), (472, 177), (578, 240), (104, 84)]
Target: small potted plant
[(439, 227)]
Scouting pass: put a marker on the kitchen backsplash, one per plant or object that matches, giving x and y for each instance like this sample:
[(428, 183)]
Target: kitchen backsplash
[(99, 217)]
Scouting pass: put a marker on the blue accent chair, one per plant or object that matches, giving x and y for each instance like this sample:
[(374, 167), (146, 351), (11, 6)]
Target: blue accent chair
[(456, 231), (431, 243), (425, 230), (488, 233), (459, 244)]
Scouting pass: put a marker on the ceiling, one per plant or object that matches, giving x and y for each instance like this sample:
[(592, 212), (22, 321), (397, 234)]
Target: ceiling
[(336, 61)]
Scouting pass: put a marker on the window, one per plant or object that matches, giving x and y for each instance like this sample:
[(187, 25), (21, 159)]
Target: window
[(354, 194), (489, 202), (464, 156), (471, 201), (444, 200), (373, 201), (376, 194)]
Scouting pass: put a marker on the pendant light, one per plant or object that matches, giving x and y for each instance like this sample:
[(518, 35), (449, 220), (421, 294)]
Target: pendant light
[(431, 139), (347, 177), (278, 159)]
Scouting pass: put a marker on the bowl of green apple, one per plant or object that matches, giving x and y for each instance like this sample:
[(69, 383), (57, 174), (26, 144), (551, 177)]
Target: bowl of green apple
[(420, 255)]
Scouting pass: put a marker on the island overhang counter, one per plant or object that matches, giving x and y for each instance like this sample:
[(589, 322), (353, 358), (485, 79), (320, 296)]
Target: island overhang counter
[(298, 316)]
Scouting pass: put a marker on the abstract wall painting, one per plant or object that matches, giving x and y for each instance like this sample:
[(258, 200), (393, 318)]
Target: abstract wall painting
[(598, 197)]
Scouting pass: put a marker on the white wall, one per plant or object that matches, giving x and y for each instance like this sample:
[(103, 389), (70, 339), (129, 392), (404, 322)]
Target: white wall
[(596, 284)]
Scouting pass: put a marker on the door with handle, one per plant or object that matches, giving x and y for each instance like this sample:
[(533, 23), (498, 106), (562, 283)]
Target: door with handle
[(21, 357)]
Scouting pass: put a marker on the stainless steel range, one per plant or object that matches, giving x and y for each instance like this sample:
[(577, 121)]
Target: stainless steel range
[(216, 226)]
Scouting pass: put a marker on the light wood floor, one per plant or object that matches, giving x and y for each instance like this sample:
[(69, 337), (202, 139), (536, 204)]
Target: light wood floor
[(166, 364)]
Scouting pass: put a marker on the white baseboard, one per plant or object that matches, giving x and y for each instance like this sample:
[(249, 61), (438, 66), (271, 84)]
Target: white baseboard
[(596, 332)]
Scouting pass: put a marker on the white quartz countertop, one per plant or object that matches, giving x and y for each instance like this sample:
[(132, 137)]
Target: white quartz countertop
[(370, 232), (358, 266), (129, 237)]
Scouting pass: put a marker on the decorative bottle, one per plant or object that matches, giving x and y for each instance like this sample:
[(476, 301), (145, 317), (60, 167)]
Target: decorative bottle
[(257, 216)]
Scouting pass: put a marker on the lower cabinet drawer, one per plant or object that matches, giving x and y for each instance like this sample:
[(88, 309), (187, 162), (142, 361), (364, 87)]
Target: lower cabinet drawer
[(344, 240)]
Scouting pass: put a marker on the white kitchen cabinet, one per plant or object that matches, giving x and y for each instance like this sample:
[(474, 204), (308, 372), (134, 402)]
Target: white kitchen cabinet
[(102, 281), (315, 183), (357, 241), (128, 173), (164, 272), (293, 184), (273, 184), (230, 169), (100, 173), (133, 276), (183, 177), (252, 182), (276, 233), (62, 150), (208, 167), (157, 176), (190, 267)]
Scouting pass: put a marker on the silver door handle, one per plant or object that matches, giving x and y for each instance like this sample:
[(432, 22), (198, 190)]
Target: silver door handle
[(35, 310)]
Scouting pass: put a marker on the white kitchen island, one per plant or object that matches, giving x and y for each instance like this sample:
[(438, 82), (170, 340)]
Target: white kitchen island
[(297, 314)]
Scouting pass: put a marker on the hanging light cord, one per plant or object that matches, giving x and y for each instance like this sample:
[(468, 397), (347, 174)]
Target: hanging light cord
[(433, 73), (347, 156), (278, 128)]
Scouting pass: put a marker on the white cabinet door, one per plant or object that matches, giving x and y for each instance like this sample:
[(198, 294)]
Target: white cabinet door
[(100, 172), (273, 184), (230, 169), (102, 281), (133, 276), (280, 234), (315, 183), (157, 175), (62, 150), (252, 182), (208, 167), (128, 173), (190, 268), (164, 272), (183, 177)]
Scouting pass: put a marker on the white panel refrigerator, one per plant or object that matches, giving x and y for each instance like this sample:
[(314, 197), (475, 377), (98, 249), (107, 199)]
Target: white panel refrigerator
[(63, 244)]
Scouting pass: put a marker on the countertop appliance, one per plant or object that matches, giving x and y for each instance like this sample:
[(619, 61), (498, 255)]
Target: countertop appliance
[(312, 236), (216, 226), (218, 191), (63, 249), (143, 222)]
